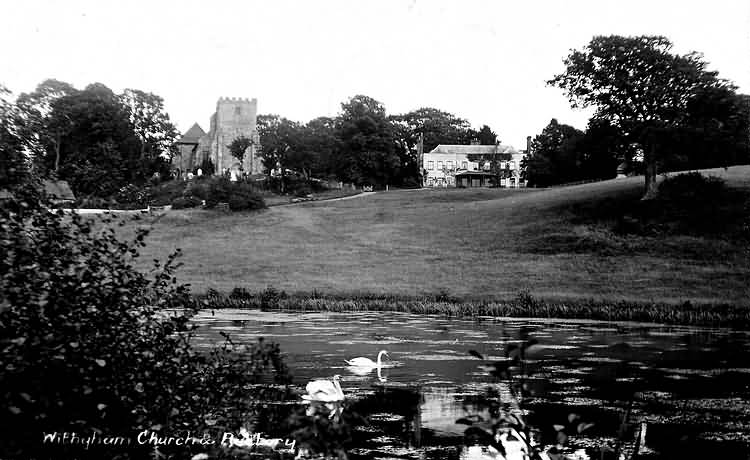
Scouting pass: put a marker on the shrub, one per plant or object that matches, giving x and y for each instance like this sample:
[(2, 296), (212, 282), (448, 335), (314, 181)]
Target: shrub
[(693, 188), (85, 345), (166, 192), (132, 195), (184, 202), (94, 203), (244, 198), (240, 196), (219, 191), (198, 188)]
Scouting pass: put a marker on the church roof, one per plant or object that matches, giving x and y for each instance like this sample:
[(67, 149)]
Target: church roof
[(192, 135)]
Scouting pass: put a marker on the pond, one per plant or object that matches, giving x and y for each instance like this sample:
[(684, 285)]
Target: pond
[(687, 388)]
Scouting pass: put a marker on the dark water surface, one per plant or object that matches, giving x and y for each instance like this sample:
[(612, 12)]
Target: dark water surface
[(691, 386)]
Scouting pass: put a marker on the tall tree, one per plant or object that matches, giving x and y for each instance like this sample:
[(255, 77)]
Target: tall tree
[(322, 142), (99, 151), (46, 131), (486, 136), (554, 157), (279, 139), (601, 150), (436, 126), (151, 123), (13, 164), (638, 85), (368, 153)]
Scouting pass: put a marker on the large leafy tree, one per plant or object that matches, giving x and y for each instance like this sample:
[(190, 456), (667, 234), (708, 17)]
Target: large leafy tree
[(279, 139), (151, 123), (554, 157), (436, 127), (13, 164), (95, 139), (45, 132), (368, 152), (602, 149), (97, 151), (322, 144), (638, 85)]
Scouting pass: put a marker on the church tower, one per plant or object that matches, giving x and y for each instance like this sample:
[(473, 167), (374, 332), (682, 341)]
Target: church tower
[(235, 117)]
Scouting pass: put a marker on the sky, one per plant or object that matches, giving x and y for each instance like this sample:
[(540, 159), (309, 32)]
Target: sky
[(485, 61)]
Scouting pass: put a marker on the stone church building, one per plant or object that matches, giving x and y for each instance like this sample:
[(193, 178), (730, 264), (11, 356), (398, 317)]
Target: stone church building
[(234, 117)]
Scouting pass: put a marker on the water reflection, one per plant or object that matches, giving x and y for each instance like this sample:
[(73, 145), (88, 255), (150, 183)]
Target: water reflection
[(674, 379)]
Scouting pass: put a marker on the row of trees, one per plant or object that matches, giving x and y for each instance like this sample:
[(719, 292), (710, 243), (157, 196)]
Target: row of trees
[(100, 141), (363, 144), (563, 154), (654, 110), (97, 140)]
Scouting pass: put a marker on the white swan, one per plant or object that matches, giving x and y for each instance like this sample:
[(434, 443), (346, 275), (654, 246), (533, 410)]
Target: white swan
[(367, 362), (326, 391)]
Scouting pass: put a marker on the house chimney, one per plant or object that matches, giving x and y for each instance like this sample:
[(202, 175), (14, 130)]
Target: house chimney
[(528, 144)]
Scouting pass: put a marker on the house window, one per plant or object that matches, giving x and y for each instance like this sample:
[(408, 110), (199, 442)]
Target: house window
[(486, 167), (238, 110), (464, 165), (430, 165), (449, 164), (440, 165)]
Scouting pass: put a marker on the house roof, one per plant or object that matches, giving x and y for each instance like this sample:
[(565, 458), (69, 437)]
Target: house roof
[(192, 135), (473, 149), (58, 189)]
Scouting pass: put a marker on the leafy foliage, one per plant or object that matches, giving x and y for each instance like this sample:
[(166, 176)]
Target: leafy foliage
[(14, 168), (89, 344), (653, 96), (503, 427), (238, 146), (240, 195), (362, 144), (689, 204), (554, 156), (154, 129), (368, 150), (437, 127), (183, 202), (93, 138)]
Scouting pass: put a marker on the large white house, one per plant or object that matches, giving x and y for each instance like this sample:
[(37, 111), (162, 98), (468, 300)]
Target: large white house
[(450, 165)]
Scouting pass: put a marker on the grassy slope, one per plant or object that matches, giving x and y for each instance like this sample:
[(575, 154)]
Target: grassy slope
[(471, 243)]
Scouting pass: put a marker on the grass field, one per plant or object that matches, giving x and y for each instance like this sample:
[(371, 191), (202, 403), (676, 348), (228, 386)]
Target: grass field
[(470, 243)]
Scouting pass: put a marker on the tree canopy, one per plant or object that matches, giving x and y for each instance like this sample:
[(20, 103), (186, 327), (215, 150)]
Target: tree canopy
[(368, 145), (639, 86), (554, 155), (239, 146), (95, 139), (363, 144)]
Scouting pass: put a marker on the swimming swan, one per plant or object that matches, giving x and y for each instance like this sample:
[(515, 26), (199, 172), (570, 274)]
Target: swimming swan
[(367, 362)]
